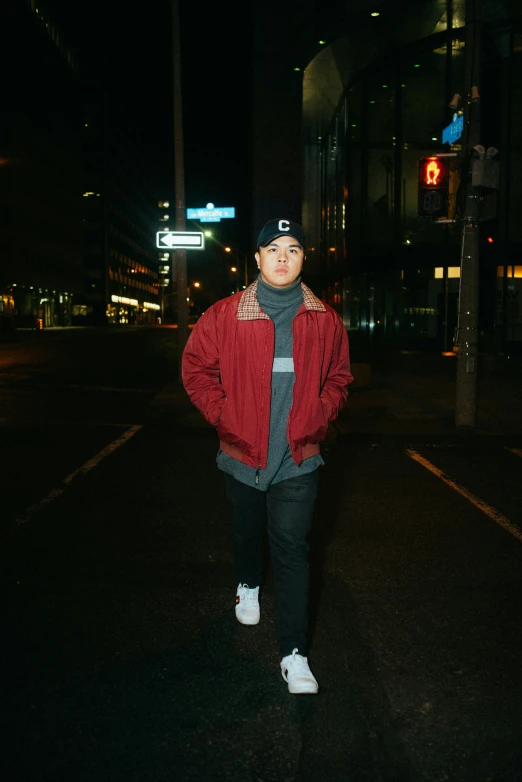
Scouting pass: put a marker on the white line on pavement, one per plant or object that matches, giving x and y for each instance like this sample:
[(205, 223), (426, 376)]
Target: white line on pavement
[(516, 451), (493, 513), (37, 506)]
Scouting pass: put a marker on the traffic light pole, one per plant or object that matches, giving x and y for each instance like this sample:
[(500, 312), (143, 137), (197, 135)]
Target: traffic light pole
[(179, 257), (467, 329)]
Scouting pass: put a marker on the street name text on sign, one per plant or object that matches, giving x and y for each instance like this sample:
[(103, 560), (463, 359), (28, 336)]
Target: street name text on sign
[(180, 240), (211, 213), (451, 133)]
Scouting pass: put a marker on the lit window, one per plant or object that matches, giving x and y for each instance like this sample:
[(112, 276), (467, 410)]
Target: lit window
[(453, 271)]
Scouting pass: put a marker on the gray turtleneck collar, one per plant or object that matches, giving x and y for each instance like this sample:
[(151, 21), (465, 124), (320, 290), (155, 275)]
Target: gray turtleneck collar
[(278, 297)]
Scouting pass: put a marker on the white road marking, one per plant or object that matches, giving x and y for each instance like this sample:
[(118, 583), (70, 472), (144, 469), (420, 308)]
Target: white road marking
[(37, 506), (516, 451), (493, 513)]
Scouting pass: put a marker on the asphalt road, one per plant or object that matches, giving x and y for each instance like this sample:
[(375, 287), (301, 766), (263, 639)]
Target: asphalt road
[(122, 659)]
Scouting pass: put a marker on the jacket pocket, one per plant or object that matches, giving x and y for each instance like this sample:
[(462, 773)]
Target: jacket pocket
[(327, 410), (227, 425), (311, 423), (221, 414)]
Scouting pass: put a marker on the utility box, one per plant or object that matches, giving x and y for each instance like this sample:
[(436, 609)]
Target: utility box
[(485, 174)]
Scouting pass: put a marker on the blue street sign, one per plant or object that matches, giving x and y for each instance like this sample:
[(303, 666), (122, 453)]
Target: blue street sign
[(211, 213), (453, 132)]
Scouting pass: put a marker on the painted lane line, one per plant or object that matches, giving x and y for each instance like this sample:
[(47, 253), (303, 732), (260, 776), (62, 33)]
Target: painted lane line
[(103, 453), (493, 513), (37, 506), (516, 451)]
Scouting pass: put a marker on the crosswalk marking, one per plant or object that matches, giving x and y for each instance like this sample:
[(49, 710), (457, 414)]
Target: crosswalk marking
[(493, 513)]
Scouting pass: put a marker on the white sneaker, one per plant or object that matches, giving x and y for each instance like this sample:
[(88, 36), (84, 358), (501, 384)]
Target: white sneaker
[(296, 672), (247, 605)]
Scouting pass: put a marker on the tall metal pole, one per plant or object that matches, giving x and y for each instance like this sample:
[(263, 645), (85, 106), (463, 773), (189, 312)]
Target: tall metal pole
[(467, 334), (179, 257)]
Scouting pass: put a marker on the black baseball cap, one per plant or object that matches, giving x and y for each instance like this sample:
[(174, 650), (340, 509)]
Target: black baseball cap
[(280, 227)]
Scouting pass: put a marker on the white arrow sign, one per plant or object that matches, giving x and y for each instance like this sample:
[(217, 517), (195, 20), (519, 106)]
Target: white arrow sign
[(182, 240)]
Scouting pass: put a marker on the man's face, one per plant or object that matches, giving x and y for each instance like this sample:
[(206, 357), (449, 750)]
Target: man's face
[(280, 262)]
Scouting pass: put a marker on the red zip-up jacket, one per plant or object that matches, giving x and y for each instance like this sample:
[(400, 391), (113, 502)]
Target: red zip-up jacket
[(227, 373)]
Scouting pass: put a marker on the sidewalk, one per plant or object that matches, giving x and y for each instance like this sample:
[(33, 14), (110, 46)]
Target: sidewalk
[(415, 393), (401, 394)]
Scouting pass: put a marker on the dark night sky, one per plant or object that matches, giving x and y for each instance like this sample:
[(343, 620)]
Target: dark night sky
[(130, 47)]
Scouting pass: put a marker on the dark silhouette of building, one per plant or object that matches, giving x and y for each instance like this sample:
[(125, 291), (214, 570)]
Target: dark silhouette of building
[(77, 208), (41, 264), (347, 99)]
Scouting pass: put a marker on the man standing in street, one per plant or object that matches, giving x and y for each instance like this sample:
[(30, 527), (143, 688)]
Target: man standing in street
[(269, 368)]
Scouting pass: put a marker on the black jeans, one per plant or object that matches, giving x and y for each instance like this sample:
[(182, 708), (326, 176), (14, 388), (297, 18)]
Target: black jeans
[(287, 509)]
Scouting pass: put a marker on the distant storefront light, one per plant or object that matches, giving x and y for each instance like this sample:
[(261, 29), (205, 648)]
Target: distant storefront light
[(124, 300)]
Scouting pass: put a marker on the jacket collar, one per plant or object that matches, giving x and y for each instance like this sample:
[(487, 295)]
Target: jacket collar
[(249, 309)]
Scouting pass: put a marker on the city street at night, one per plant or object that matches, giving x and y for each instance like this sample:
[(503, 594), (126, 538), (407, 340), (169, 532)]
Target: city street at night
[(122, 657)]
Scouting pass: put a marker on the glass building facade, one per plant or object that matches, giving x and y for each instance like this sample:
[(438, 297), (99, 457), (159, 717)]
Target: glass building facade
[(394, 275)]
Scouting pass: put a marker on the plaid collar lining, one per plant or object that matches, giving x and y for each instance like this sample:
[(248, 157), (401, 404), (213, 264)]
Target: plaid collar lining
[(249, 309)]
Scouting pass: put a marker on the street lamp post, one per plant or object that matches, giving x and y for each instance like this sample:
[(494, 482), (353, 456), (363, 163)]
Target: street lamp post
[(179, 257), (466, 378)]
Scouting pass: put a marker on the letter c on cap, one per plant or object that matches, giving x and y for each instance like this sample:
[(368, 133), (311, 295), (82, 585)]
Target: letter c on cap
[(284, 225)]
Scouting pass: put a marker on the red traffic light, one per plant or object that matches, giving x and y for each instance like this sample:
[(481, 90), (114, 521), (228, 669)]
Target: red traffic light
[(433, 187), (432, 172)]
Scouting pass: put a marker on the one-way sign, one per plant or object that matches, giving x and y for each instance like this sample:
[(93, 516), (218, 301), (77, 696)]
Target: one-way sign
[(180, 240)]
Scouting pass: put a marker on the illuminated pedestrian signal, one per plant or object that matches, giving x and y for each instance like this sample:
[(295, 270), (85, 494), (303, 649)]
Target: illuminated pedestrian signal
[(433, 185)]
